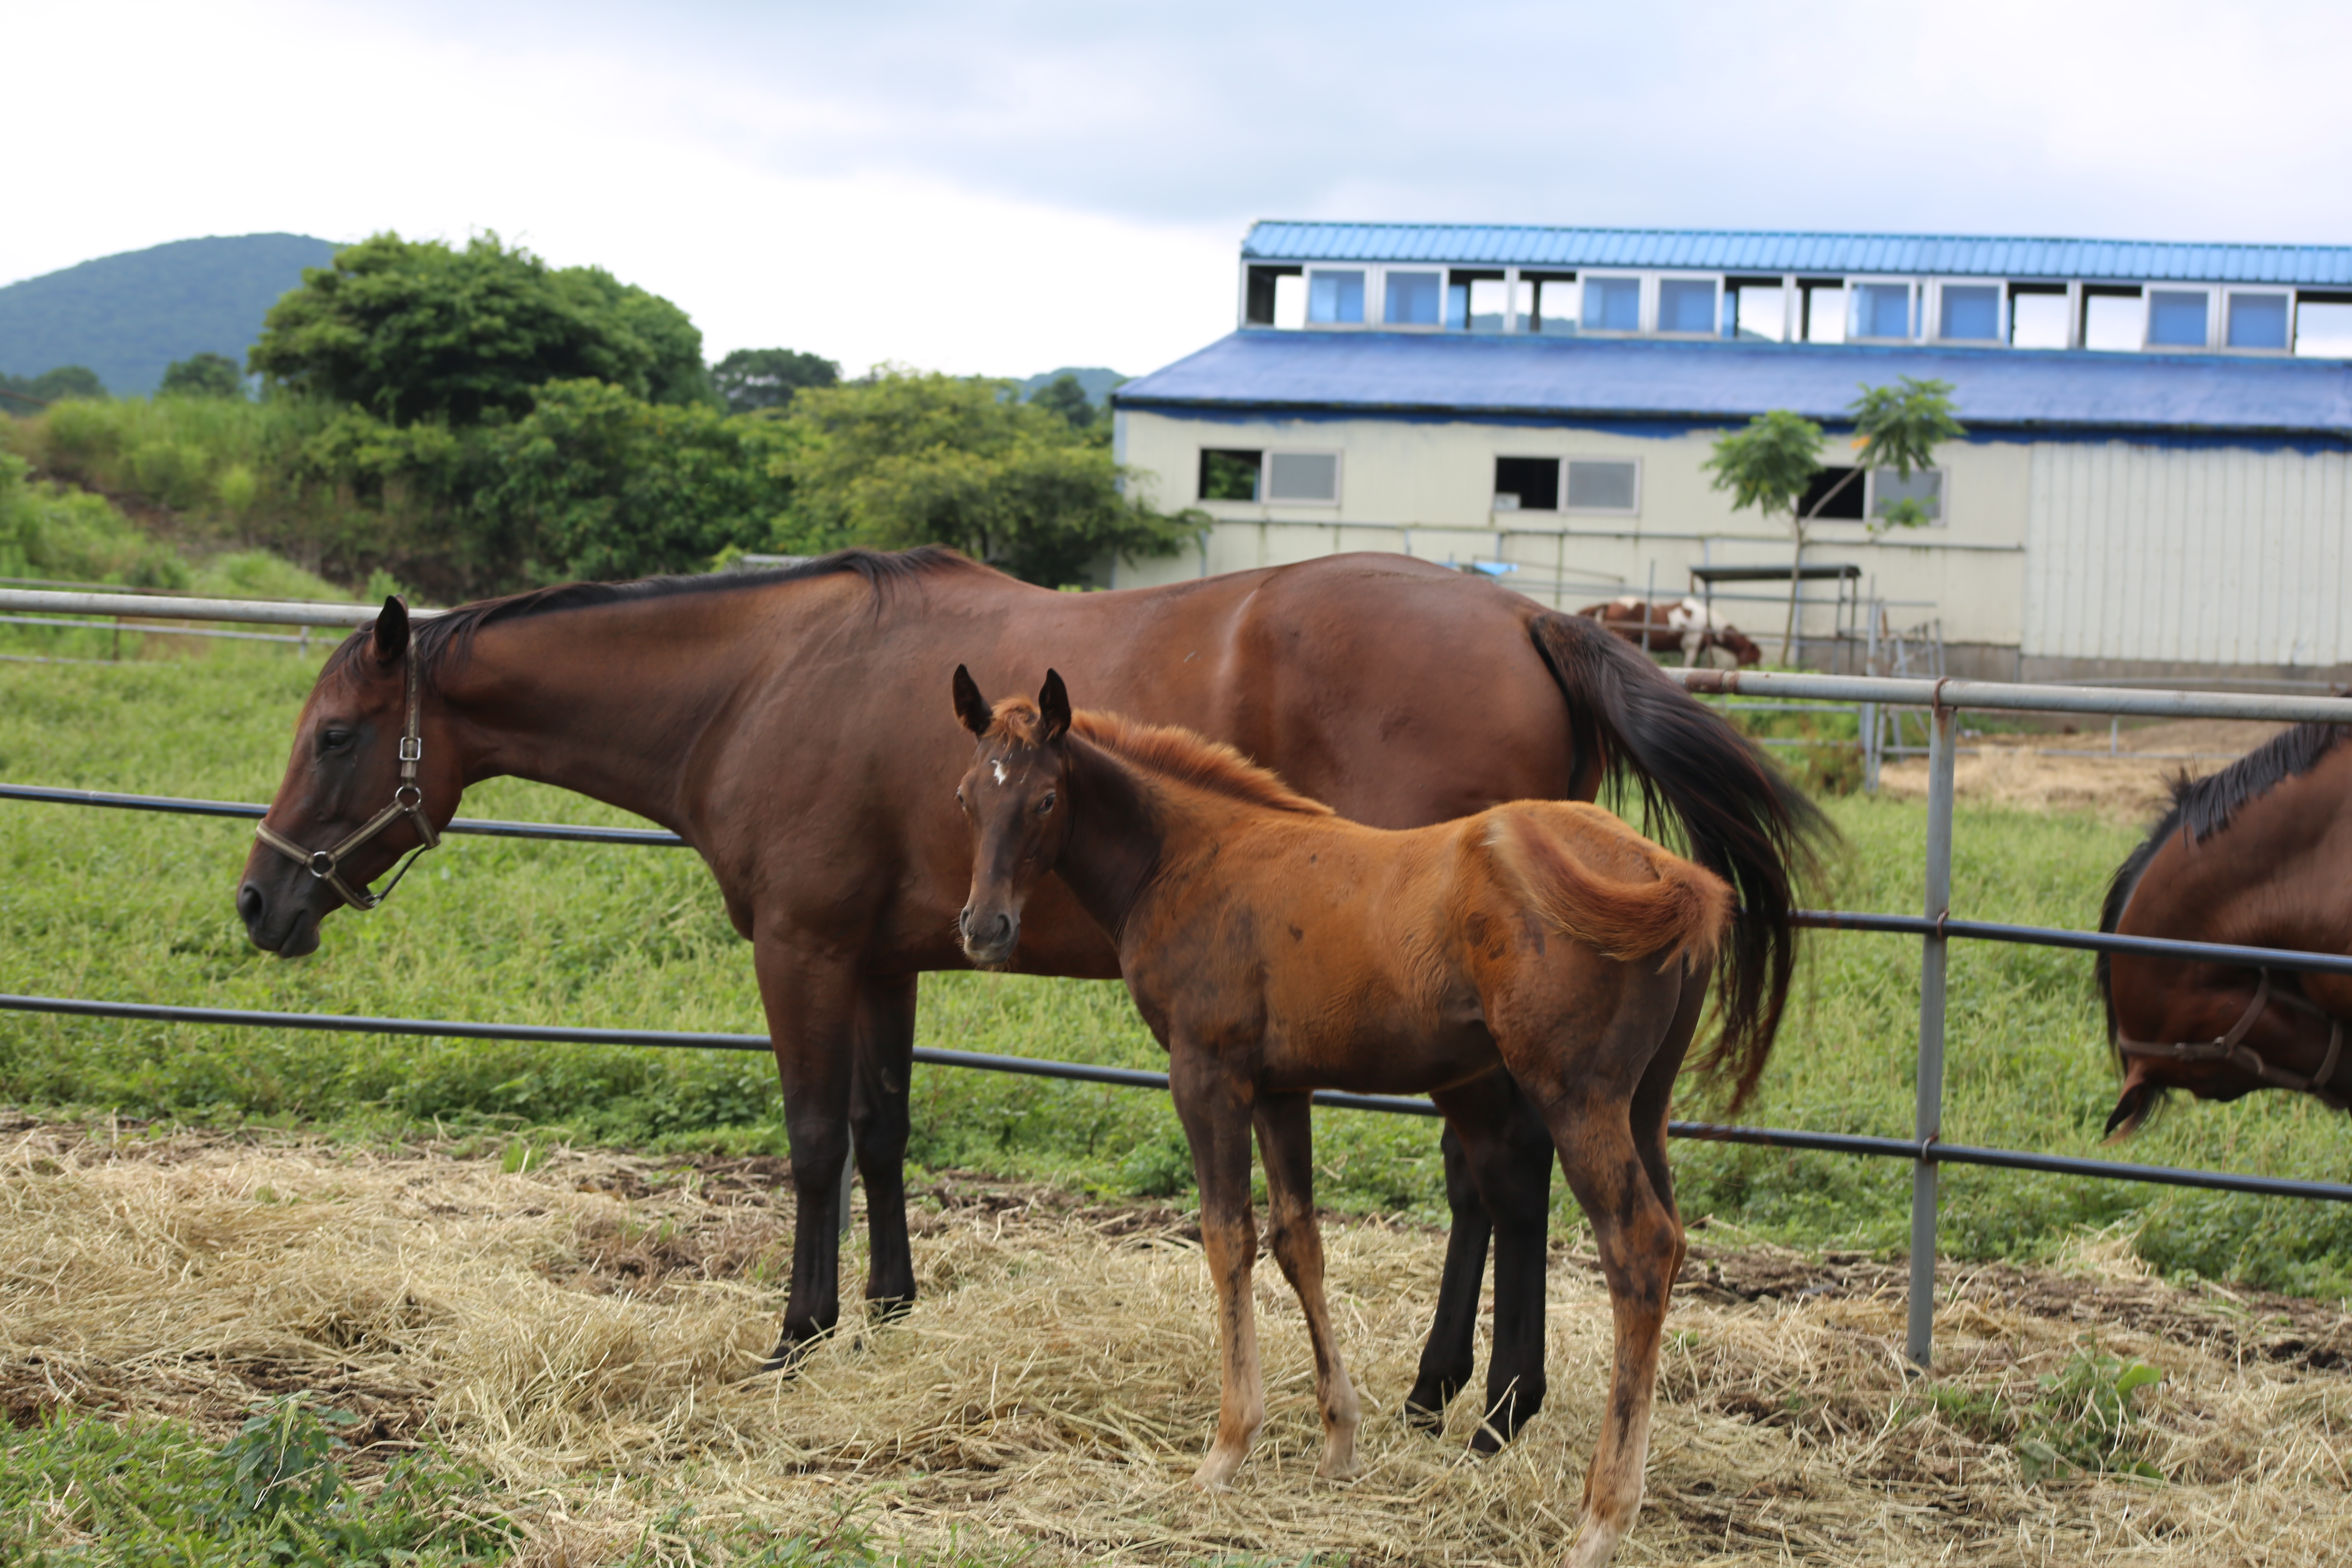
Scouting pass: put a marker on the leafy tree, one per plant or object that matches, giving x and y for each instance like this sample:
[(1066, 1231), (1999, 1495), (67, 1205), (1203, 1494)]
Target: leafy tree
[(595, 483), (413, 331), (1772, 463), (203, 375), (1065, 396), (751, 379), (903, 459), (50, 387)]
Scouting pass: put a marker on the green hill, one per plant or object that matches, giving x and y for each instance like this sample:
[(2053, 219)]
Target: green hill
[(129, 316)]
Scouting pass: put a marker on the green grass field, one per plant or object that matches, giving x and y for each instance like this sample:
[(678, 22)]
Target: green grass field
[(137, 906)]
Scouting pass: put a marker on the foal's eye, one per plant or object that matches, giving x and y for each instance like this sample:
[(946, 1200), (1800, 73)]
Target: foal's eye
[(959, 795), (1045, 805)]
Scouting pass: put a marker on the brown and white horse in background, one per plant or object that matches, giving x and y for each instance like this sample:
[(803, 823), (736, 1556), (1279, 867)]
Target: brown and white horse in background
[(1690, 628)]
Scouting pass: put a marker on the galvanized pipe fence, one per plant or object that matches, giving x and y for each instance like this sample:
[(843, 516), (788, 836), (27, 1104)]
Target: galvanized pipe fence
[(1942, 698)]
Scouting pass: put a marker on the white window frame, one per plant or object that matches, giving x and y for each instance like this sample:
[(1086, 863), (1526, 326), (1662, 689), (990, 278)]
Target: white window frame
[(1943, 518), (1856, 282), (1266, 496), (2221, 320), (1658, 293), (1376, 308), (1567, 511), (1645, 314), (1935, 312), (1374, 285), (2148, 293)]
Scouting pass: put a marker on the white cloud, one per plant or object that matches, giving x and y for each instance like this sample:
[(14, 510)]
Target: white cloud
[(1014, 186)]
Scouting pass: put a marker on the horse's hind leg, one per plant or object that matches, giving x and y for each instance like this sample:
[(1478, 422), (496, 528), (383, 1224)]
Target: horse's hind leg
[(1286, 1132), (1215, 1111), (884, 1052), (1508, 1154), (1449, 1357)]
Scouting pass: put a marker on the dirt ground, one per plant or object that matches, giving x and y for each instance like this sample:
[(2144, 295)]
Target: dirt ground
[(2032, 772), (587, 1325)]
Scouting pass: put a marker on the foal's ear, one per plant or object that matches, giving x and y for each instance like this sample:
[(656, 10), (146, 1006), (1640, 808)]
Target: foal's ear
[(391, 630), (1053, 707), (970, 706)]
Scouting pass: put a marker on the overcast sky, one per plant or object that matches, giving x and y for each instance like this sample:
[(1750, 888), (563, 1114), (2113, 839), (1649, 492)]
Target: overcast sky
[(1005, 188)]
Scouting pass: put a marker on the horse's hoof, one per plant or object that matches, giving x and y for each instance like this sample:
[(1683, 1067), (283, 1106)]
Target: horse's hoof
[(1425, 1410), (787, 1356), (887, 1308)]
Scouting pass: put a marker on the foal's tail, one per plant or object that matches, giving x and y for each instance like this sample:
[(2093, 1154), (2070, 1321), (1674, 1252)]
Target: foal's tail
[(1733, 811), (1681, 911)]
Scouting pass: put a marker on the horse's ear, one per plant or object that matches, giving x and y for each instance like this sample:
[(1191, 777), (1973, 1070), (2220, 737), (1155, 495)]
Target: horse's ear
[(391, 629), (970, 706), (1053, 707), (2132, 1106)]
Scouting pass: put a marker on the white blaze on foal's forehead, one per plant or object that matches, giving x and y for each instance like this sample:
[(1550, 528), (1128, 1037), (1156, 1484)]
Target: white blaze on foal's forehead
[(999, 766)]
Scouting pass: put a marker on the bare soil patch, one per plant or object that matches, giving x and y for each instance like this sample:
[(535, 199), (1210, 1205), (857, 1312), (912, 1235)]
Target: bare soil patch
[(2043, 772), (586, 1327)]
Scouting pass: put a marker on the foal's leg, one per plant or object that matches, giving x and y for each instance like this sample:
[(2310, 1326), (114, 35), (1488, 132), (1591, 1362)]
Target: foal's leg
[(884, 1053), (810, 1002), (1508, 1154), (1286, 1132), (1215, 1111), (1450, 1356)]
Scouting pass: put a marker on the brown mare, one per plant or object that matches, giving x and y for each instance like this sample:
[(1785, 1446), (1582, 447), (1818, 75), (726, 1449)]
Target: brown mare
[(1687, 627), (1276, 949), (787, 725), (2258, 854)]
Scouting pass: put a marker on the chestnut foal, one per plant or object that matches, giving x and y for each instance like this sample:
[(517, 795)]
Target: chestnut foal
[(1274, 947)]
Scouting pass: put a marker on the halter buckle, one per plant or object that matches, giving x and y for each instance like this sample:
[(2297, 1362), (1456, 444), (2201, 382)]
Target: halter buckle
[(408, 796), (321, 863), (412, 748)]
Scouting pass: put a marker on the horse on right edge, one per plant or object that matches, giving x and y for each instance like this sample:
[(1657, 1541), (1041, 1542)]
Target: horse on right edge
[(2258, 854)]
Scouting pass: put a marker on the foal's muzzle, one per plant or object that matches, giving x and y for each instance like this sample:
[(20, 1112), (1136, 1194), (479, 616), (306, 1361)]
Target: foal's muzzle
[(988, 939)]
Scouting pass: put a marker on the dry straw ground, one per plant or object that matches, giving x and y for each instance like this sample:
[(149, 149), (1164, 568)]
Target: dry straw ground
[(582, 1327), (2040, 772)]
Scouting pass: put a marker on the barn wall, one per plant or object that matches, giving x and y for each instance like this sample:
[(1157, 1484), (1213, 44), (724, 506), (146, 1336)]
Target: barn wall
[(2187, 556)]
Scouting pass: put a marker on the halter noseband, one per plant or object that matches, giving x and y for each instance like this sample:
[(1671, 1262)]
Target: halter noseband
[(407, 800), (2232, 1048)]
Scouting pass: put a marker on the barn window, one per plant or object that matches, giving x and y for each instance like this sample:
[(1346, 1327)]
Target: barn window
[(1302, 476), (1526, 484), (1227, 474), (1612, 304), (2176, 318), (2323, 325), (1613, 486), (1838, 491), (1262, 306), (2037, 315), (2114, 317), (1882, 311), (1480, 301), (1413, 298), (1971, 313), (1686, 305), (1555, 304), (2257, 321), (1759, 308), (1925, 485), (1821, 310), (1335, 298)]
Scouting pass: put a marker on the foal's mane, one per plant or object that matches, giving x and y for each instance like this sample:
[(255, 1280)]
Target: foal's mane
[(2203, 807), (1169, 751), (450, 637)]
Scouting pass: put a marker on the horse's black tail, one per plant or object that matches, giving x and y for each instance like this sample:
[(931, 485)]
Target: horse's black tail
[(1710, 786)]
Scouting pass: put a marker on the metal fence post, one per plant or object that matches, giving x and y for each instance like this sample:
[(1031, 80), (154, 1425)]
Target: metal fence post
[(1929, 1121)]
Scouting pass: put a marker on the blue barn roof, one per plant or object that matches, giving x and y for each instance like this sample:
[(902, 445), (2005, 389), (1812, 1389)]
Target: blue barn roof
[(1778, 252), (1585, 380)]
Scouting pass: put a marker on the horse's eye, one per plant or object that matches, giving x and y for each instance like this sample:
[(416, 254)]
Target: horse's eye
[(959, 795), (1045, 805), (334, 739)]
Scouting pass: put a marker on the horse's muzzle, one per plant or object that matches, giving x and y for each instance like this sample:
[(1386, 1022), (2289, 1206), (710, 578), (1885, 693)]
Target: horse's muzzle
[(293, 934), (988, 939)]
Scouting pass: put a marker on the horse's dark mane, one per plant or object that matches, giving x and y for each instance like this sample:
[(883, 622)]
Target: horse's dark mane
[(1169, 751), (2204, 807), (450, 637)]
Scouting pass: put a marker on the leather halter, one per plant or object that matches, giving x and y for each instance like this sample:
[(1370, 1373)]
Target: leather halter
[(407, 800), (2232, 1048)]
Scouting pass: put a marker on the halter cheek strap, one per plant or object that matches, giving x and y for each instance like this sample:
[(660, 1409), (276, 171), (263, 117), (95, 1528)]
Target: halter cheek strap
[(2232, 1048), (407, 801)]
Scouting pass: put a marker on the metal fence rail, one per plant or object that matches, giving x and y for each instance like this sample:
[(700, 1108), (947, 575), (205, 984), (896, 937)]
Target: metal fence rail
[(486, 827), (1138, 1077)]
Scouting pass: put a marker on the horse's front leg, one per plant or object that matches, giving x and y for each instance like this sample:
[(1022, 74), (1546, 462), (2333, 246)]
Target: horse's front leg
[(812, 1006), (883, 1055), (1286, 1132), (1215, 1110), (1450, 1356)]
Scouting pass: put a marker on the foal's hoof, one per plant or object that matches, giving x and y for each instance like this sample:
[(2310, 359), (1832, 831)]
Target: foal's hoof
[(790, 1351), (880, 1310)]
